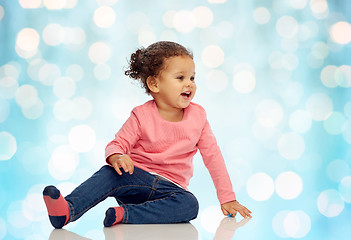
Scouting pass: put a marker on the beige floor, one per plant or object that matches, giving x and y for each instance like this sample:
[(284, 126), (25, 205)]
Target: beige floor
[(225, 231)]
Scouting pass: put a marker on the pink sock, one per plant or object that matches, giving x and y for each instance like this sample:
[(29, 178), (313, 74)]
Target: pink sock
[(113, 216), (57, 206)]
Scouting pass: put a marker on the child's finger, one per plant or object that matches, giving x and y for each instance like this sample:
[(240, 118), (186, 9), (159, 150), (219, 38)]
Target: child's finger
[(116, 167), (131, 168), (245, 213), (118, 170), (124, 166), (248, 212), (225, 212)]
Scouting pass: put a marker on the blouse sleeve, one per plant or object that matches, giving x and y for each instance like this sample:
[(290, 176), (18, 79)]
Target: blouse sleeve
[(215, 164), (125, 138)]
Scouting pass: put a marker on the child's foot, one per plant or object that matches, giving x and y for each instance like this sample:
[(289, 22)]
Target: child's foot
[(57, 206), (113, 216)]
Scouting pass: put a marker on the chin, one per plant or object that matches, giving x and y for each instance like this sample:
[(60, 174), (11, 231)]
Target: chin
[(186, 105)]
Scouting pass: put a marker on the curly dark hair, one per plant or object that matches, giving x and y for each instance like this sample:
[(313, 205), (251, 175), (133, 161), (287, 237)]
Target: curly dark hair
[(149, 61)]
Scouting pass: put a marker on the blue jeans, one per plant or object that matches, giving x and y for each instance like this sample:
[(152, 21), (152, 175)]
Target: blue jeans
[(145, 198)]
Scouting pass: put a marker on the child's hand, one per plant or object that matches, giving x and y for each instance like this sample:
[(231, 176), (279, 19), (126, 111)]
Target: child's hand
[(119, 161), (233, 207)]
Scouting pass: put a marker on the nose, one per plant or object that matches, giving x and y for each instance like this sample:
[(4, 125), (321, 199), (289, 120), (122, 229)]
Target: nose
[(189, 82)]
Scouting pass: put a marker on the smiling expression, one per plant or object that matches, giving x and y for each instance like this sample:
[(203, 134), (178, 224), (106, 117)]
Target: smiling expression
[(176, 83)]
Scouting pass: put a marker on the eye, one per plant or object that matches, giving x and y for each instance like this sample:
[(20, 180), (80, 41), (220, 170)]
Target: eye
[(192, 79), (180, 77)]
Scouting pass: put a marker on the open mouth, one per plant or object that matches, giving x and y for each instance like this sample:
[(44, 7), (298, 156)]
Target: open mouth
[(186, 94)]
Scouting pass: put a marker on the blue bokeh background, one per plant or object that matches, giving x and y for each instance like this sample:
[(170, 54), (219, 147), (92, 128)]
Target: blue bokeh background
[(273, 75)]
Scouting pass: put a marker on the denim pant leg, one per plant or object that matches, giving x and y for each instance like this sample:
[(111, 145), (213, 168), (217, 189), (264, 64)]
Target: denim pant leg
[(107, 183), (167, 203)]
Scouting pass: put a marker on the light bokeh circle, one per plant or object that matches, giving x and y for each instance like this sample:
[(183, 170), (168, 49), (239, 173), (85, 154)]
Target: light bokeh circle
[(53, 34), (48, 73), (291, 224), (320, 50), (328, 76), (290, 61), (104, 17), (347, 131), (82, 138), (319, 8), (2, 12), (330, 203), (264, 133), (320, 106), (35, 111), (184, 21), (64, 110), (8, 146), (277, 223), (291, 146), (63, 162), (216, 80), (4, 110), (30, 4), (260, 186), (26, 96), (334, 124), (8, 87), (244, 81), (298, 4), (261, 15), (106, 2), (102, 72), (300, 121), (82, 108), (16, 219), (64, 87), (167, 18), (269, 113), (212, 56), (340, 32), (345, 189), (297, 224), (75, 72), (99, 52), (203, 16), (288, 185), (343, 76), (33, 209), (28, 39), (54, 5), (287, 26), (210, 218)]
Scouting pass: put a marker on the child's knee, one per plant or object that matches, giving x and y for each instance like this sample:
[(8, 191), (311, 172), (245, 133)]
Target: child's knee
[(107, 169), (192, 206), (106, 173)]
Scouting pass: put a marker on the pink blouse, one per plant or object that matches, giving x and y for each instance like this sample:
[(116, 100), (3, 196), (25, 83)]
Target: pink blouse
[(167, 148)]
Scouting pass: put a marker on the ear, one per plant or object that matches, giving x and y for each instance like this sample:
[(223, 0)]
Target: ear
[(152, 84)]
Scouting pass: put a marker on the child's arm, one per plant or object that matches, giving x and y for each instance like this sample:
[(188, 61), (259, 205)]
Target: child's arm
[(233, 207), (214, 162), (116, 151)]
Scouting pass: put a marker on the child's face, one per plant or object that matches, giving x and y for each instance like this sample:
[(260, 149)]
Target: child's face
[(176, 82)]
